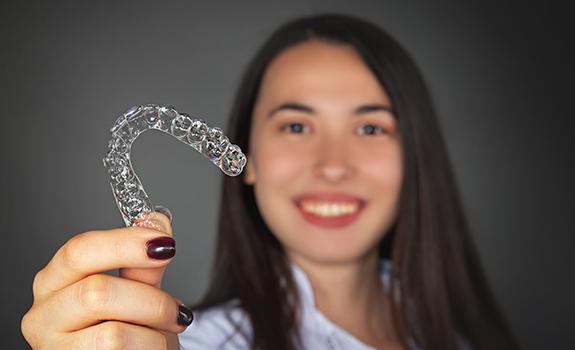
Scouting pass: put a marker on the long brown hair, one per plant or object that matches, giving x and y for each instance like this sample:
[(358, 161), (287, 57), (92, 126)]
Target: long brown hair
[(430, 245)]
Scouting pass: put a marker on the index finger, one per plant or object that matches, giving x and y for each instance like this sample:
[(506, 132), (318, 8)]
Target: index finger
[(98, 251)]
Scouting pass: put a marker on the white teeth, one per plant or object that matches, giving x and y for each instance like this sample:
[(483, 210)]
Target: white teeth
[(329, 209)]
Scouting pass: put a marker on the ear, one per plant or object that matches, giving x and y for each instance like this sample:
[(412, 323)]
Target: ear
[(249, 173)]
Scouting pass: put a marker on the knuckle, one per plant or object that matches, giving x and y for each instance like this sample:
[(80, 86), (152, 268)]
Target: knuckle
[(37, 283), (111, 335), (163, 308), (71, 255), (119, 249), (27, 328), (94, 292), (33, 329)]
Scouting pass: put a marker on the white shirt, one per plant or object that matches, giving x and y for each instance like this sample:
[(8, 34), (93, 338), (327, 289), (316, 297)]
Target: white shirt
[(211, 329)]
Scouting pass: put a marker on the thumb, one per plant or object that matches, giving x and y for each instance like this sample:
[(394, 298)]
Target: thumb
[(159, 220)]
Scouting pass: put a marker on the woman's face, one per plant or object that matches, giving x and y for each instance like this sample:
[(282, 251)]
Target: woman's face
[(325, 154)]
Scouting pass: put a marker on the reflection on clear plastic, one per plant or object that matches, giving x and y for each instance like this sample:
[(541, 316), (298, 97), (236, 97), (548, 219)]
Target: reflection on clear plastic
[(131, 198)]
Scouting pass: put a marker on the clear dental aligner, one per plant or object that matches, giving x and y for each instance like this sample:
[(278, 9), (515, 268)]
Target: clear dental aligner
[(131, 198)]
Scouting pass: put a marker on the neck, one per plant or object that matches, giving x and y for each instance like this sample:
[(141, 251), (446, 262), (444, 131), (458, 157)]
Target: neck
[(349, 294)]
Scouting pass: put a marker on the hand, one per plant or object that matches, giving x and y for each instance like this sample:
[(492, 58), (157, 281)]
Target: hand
[(77, 307)]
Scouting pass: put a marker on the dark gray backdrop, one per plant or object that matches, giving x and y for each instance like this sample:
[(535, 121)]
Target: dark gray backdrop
[(500, 72)]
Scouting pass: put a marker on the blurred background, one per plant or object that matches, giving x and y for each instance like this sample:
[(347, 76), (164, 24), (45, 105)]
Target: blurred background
[(501, 74)]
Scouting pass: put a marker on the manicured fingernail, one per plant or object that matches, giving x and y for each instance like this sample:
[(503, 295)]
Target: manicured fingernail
[(161, 248), (185, 315)]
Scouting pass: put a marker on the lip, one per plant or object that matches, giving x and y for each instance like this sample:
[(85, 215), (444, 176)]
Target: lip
[(330, 222)]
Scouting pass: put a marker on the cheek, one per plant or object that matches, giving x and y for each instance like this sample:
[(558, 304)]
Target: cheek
[(383, 166), (278, 169), (277, 164)]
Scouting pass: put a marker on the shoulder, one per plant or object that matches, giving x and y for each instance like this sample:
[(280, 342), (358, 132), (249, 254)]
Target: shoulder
[(224, 326)]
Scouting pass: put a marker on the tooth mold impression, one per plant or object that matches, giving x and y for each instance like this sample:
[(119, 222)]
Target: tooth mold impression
[(131, 198)]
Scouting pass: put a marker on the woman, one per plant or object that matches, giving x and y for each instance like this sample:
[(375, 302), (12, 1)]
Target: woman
[(345, 230)]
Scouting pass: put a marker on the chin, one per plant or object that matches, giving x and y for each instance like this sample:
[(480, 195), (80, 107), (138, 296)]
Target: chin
[(332, 252)]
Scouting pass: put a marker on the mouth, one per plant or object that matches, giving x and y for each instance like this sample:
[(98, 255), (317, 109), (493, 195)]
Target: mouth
[(331, 210)]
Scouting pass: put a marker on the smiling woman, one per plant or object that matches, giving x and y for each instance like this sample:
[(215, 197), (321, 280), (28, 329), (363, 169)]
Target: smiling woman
[(332, 164), (345, 230)]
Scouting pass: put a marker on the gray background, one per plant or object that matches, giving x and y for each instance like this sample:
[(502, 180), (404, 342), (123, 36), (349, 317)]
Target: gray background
[(501, 74)]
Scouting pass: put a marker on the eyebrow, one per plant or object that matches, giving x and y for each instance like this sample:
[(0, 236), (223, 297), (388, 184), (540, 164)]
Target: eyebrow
[(294, 106)]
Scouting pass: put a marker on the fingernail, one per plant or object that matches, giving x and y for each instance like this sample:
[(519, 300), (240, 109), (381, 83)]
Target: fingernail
[(165, 211), (185, 315), (161, 248)]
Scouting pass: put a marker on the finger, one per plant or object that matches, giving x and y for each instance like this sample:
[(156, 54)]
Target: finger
[(103, 297), (165, 211), (117, 335), (99, 251), (153, 276)]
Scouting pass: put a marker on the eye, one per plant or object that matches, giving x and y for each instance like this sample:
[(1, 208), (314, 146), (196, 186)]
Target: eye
[(295, 127), (370, 129)]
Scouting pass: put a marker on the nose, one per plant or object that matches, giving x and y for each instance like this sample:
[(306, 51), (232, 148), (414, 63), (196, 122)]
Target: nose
[(333, 163)]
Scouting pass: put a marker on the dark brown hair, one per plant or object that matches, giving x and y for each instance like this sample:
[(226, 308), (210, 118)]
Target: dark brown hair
[(430, 245)]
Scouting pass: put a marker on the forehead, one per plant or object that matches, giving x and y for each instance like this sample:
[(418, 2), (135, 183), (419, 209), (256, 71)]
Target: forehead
[(322, 69)]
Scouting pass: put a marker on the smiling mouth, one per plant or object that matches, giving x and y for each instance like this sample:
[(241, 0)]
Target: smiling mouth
[(329, 209), (333, 212)]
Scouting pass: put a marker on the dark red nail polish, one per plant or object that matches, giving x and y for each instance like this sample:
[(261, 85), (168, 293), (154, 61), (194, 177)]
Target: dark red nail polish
[(185, 315), (161, 248)]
